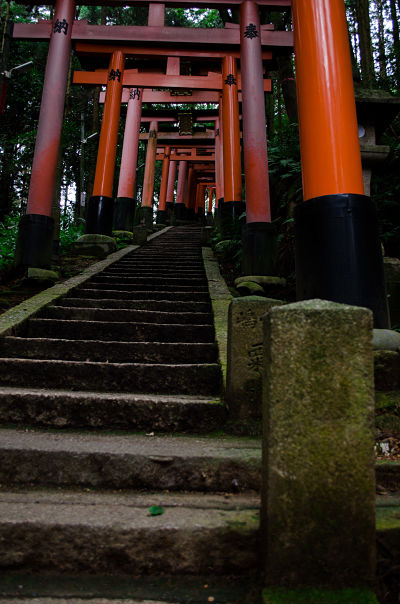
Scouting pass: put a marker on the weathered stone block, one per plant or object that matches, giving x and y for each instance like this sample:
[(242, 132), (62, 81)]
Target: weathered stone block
[(270, 286), (96, 245), (139, 235), (318, 493), (245, 355), (42, 275), (125, 236)]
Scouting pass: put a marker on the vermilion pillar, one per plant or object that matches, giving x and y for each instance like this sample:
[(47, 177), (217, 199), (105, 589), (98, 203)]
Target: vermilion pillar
[(148, 178), (180, 192), (191, 194), (161, 213), (199, 210), (169, 205), (219, 161), (259, 241), (232, 206), (338, 253), (100, 207), (35, 238), (124, 211)]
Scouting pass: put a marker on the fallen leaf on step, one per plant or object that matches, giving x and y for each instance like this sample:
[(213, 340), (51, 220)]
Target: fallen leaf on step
[(156, 510)]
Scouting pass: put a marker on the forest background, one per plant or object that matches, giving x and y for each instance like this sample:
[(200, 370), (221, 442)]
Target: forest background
[(373, 27)]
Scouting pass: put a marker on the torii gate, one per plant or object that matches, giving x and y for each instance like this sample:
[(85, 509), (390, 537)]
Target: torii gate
[(338, 252), (37, 223), (227, 81)]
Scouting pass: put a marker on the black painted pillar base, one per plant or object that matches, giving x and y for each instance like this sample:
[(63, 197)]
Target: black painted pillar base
[(35, 241), (210, 219), (230, 221), (259, 242), (161, 217), (146, 216), (218, 207), (339, 255), (180, 211), (200, 216), (191, 214), (169, 208), (124, 214), (99, 218)]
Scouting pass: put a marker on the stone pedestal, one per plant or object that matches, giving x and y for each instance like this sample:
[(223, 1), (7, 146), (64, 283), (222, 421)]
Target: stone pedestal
[(139, 235), (318, 491), (94, 245), (245, 355)]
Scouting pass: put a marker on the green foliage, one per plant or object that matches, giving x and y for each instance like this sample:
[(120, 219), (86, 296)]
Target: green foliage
[(8, 239), (69, 232), (385, 190)]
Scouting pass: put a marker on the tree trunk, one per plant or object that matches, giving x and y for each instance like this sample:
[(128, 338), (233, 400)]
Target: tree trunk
[(353, 40), (396, 41), (381, 42), (364, 35)]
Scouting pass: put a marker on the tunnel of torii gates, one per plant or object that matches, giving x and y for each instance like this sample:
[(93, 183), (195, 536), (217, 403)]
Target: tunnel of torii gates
[(338, 252)]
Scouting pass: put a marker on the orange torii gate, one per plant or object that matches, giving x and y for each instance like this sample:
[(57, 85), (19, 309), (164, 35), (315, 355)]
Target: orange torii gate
[(227, 82), (37, 223), (338, 252)]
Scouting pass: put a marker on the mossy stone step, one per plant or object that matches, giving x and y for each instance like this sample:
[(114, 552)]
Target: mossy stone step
[(149, 413), (82, 532), (196, 379), (120, 331), (164, 305), (134, 295), (65, 312), (115, 352), (132, 461)]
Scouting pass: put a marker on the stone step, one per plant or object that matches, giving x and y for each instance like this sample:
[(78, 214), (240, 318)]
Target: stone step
[(122, 315), (119, 331), (197, 379), (134, 461), (24, 588), (141, 262), (116, 352), (134, 295), (152, 281), (110, 411), (148, 273), (81, 532), (193, 290), (165, 305)]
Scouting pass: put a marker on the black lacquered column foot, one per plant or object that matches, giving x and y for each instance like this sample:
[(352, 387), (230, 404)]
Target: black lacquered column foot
[(35, 241), (99, 219), (339, 254), (259, 249), (124, 214)]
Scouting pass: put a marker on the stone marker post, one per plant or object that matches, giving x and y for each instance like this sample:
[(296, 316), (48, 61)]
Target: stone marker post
[(245, 355), (318, 492)]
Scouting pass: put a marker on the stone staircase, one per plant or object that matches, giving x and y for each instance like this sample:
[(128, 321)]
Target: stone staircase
[(110, 464)]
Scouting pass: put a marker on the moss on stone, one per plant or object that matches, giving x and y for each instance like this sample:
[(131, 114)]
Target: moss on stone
[(318, 596), (388, 518)]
